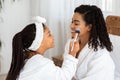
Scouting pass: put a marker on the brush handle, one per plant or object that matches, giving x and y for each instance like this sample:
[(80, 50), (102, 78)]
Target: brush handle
[(75, 39)]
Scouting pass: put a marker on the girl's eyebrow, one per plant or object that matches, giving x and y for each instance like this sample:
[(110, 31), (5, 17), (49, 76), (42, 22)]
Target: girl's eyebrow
[(48, 31)]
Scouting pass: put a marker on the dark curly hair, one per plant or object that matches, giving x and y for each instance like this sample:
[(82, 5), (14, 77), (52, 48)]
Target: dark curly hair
[(98, 35)]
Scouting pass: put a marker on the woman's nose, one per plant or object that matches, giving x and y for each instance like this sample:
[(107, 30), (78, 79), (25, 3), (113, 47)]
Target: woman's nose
[(72, 26)]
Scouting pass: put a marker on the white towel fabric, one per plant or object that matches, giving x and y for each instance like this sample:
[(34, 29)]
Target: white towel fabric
[(93, 65), (41, 68)]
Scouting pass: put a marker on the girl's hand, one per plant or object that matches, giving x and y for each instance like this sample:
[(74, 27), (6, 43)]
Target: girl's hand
[(75, 49)]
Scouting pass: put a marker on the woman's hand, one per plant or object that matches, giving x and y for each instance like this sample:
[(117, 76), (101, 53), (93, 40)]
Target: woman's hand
[(75, 49)]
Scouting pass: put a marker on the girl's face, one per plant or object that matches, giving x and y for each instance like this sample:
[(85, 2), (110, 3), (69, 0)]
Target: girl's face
[(48, 39), (78, 22)]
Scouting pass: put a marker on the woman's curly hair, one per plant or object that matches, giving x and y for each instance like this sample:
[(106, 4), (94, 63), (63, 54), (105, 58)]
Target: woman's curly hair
[(98, 35)]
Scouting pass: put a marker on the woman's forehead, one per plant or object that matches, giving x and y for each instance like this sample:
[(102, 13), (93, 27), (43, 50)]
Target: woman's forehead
[(77, 17)]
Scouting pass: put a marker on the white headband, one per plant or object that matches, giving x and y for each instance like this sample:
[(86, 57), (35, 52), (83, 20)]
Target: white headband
[(39, 33)]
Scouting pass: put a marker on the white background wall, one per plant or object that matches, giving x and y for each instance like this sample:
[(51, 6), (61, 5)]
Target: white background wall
[(15, 16)]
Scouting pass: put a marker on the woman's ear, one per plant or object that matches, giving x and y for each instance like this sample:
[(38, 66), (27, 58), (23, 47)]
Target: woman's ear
[(89, 27)]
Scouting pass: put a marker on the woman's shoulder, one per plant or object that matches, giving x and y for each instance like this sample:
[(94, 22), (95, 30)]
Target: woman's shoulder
[(101, 52), (103, 56)]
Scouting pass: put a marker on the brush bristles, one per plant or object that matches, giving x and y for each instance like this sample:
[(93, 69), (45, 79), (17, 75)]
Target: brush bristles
[(77, 30)]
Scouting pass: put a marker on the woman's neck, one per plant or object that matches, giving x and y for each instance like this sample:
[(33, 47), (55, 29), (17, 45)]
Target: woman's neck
[(84, 40)]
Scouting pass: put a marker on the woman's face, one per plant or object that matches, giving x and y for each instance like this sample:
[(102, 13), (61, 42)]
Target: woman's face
[(48, 39), (78, 22)]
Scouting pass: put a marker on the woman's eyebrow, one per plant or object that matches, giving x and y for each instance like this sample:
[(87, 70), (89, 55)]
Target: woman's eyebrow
[(76, 21)]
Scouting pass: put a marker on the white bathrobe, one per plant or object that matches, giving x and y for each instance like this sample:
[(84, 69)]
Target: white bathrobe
[(93, 65), (41, 68)]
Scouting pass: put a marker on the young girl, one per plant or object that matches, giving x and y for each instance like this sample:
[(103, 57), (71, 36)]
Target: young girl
[(95, 62), (28, 62)]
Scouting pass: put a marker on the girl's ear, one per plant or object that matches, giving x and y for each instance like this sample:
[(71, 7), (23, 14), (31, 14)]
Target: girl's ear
[(89, 27)]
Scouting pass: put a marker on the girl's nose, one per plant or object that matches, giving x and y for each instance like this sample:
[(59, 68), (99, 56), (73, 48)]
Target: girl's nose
[(52, 36)]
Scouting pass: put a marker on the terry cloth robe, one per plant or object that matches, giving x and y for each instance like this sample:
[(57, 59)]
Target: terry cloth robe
[(93, 65), (40, 68)]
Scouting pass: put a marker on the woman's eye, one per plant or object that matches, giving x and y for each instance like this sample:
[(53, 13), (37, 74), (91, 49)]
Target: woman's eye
[(71, 21), (76, 24)]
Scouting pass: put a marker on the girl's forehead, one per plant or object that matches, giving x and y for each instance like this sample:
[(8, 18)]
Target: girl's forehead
[(47, 29)]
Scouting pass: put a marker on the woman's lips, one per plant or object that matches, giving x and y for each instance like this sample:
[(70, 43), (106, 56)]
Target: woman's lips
[(73, 33)]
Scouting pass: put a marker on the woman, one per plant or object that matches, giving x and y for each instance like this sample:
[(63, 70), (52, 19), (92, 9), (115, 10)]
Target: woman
[(28, 62), (95, 62)]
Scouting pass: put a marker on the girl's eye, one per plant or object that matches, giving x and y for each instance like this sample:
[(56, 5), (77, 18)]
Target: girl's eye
[(49, 34)]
